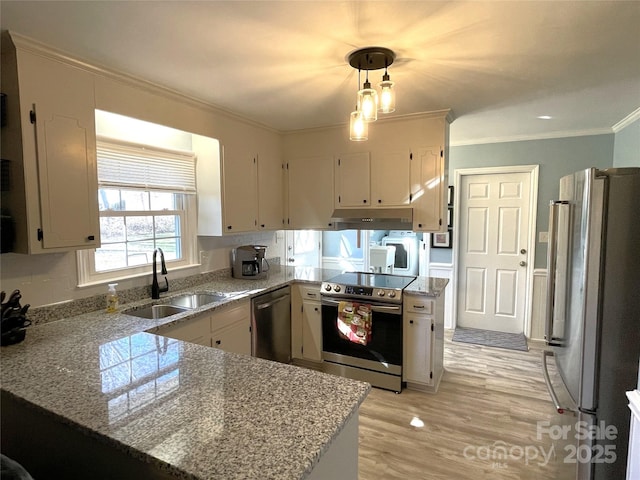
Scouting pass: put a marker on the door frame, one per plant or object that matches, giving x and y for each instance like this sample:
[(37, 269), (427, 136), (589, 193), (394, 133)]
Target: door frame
[(533, 171)]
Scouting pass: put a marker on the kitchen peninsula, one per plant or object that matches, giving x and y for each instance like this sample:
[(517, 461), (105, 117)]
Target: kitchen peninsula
[(97, 396)]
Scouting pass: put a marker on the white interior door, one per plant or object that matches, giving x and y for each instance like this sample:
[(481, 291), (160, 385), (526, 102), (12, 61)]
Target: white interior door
[(494, 212)]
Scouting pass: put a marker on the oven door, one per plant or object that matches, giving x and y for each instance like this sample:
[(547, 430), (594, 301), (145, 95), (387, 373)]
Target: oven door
[(383, 352)]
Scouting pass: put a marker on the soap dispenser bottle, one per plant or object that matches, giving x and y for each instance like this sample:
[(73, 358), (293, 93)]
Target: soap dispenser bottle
[(112, 298)]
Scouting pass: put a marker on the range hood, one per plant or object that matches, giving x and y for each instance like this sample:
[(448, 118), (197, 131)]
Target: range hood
[(373, 218)]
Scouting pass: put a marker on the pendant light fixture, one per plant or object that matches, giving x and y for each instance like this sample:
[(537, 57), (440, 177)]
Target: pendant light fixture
[(369, 103), (358, 127)]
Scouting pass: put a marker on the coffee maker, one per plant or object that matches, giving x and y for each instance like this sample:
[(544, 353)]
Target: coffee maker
[(248, 261)]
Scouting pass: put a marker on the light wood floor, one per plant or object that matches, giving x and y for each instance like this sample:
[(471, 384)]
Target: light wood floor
[(488, 397)]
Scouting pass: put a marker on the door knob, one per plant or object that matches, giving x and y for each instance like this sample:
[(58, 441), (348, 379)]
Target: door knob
[(523, 264), (523, 251)]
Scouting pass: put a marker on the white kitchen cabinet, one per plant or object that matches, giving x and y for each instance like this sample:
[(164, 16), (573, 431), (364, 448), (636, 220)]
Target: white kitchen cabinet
[(270, 191), (50, 141), (310, 192), (423, 322), (306, 325), (227, 328), (390, 178), (239, 190), (231, 328), (353, 180), (194, 330), (429, 189), (380, 179)]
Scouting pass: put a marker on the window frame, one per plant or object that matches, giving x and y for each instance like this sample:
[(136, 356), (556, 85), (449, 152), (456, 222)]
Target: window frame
[(87, 274)]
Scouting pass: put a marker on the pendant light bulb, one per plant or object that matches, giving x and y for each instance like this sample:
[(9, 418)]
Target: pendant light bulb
[(387, 94), (368, 102), (358, 128)]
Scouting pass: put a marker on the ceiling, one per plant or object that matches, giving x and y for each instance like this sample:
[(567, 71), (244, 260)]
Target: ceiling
[(497, 64)]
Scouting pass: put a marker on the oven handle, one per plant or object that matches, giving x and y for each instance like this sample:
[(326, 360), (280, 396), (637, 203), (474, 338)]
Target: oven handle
[(392, 309)]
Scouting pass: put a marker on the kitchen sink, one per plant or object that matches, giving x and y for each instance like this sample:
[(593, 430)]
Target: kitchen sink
[(195, 300), (157, 311)]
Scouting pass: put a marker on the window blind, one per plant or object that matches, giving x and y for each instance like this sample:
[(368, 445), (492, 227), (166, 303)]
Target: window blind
[(130, 165)]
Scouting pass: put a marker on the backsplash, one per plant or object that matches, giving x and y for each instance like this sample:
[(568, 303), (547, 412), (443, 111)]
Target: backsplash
[(52, 278)]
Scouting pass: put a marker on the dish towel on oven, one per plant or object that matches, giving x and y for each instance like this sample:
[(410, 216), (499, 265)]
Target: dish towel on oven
[(355, 321)]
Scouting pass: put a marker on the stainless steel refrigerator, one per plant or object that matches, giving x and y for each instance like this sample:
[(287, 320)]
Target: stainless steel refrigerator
[(593, 317)]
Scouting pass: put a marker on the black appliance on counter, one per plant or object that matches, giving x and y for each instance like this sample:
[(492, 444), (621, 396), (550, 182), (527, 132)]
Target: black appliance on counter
[(362, 327)]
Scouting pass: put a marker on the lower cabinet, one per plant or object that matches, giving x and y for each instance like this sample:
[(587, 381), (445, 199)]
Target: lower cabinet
[(423, 342), (227, 328), (306, 324)]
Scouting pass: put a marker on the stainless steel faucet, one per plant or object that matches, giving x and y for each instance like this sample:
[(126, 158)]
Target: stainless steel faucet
[(155, 288)]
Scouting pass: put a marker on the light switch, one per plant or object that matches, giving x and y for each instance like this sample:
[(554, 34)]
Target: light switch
[(543, 237)]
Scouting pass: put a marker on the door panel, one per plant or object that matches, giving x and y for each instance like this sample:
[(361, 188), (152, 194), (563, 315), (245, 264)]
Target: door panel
[(494, 220)]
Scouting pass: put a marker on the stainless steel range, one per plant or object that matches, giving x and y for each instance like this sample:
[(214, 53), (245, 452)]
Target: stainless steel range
[(362, 327)]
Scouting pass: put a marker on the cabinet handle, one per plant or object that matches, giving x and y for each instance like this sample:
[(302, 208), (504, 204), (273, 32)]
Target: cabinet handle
[(91, 237), (228, 227), (418, 306), (410, 321), (364, 201), (262, 225), (312, 294), (315, 308), (419, 225), (218, 342), (379, 201)]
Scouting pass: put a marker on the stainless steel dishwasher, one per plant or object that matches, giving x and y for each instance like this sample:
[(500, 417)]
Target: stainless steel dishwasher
[(271, 325)]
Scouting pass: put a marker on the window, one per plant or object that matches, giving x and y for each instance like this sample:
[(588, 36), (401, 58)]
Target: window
[(146, 201)]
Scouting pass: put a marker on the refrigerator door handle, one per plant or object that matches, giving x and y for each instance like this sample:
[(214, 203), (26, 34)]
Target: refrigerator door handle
[(547, 380), (552, 251), (551, 271)]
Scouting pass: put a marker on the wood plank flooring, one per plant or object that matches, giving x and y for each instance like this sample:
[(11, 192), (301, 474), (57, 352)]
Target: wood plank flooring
[(488, 398)]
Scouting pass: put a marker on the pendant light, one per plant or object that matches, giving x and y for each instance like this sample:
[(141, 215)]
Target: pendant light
[(387, 94), (369, 102), (358, 128)]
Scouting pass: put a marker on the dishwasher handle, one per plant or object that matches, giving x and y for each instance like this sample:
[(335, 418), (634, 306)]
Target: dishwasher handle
[(261, 306)]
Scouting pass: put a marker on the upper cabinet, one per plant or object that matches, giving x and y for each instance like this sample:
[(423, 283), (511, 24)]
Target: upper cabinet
[(310, 192), (380, 178), (240, 187), (50, 141), (403, 164), (353, 180)]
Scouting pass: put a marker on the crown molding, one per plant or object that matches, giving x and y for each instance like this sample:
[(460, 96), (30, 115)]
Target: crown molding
[(626, 121), (541, 136), (28, 44)]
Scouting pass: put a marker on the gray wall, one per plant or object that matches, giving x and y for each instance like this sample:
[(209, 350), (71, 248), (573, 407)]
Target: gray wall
[(557, 157), (626, 148)]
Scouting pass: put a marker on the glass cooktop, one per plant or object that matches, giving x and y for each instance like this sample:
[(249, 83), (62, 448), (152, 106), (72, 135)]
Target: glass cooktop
[(378, 280)]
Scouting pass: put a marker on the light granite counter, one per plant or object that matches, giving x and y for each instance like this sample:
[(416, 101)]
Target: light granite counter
[(189, 411), (429, 286)]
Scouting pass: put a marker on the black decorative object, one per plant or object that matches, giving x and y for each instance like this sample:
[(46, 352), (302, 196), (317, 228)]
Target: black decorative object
[(14, 321)]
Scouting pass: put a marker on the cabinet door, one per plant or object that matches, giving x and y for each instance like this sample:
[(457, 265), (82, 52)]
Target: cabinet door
[(240, 190), (428, 189), (390, 178), (195, 330), (353, 180), (310, 187), (235, 338), (311, 331), (417, 344), (270, 185), (60, 100)]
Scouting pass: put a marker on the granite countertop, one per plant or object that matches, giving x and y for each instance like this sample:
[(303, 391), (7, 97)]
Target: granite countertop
[(429, 286), (196, 412)]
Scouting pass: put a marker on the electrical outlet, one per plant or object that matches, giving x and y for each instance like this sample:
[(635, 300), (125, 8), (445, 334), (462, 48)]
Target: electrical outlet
[(543, 237)]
